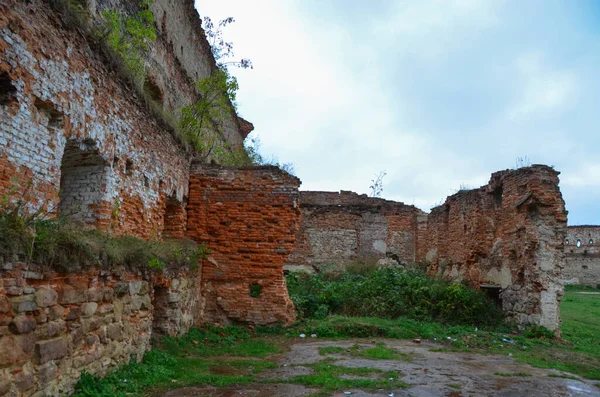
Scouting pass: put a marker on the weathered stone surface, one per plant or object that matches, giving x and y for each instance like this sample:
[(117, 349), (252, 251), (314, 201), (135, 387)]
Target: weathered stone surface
[(51, 349), (24, 381), (74, 313), (5, 304), (69, 294), (57, 312), (121, 288), (95, 294), (89, 309), (22, 324), (582, 256), (51, 329), (24, 303), (45, 297)]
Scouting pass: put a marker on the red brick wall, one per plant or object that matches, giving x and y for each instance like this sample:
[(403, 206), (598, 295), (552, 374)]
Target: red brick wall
[(248, 218), (509, 233)]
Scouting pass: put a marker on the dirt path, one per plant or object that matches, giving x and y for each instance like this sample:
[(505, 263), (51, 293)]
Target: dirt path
[(427, 373)]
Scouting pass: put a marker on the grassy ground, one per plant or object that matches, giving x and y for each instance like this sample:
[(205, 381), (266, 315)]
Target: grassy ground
[(228, 356)]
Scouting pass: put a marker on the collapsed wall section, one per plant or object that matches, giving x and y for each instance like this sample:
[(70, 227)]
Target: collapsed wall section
[(507, 235), (54, 326), (582, 256), (340, 228), (248, 218)]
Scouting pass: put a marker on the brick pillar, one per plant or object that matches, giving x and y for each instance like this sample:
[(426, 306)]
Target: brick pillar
[(249, 218)]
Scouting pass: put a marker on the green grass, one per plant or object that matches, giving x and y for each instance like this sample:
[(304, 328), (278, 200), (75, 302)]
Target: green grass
[(454, 386), (380, 352), (185, 361), (512, 374), (327, 377), (331, 350), (562, 376), (215, 341), (190, 359)]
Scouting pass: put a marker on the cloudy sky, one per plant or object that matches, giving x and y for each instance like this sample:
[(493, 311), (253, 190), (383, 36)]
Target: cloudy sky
[(437, 93)]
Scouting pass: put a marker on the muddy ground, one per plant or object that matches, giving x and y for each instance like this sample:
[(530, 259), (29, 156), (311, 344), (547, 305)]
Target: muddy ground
[(428, 373)]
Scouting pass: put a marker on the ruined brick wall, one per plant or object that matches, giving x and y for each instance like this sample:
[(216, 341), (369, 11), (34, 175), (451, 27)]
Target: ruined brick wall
[(54, 325), (249, 218), (80, 138), (509, 234), (179, 57), (338, 228), (582, 255)]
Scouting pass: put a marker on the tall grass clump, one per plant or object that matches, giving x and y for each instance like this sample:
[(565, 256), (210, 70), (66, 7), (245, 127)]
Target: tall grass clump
[(390, 293)]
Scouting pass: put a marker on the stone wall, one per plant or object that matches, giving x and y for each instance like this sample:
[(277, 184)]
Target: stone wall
[(76, 140), (54, 325), (582, 255), (508, 234), (249, 219), (339, 228)]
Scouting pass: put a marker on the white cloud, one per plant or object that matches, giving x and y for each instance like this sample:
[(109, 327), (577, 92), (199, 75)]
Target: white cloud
[(588, 175), (544, 89)]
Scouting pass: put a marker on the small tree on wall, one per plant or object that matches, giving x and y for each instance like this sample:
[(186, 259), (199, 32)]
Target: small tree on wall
[(377, 184), (201, 123)]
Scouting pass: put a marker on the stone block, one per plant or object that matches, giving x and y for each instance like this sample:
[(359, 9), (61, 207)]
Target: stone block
[(121, 288), (135, 287), (74, 313), (24, 381), (69, 295), (47, 372), (95, 294), (51, 329), (22, 324), (5, 386), (89, 309), (45, 297), (57, 312), (51, 349), (24, 303), (5, 304)]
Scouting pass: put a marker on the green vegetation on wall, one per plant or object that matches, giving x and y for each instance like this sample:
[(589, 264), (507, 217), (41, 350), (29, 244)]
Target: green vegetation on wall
[(34, 238), (129, 36)]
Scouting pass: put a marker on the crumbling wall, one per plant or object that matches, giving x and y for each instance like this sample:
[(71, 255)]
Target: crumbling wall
[(55, 325), (339, 228), (508, 234), (248, 217), (78, 141), (582, 255)]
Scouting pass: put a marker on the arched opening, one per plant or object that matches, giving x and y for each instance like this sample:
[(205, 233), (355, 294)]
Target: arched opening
[(174, 219), (7, 89), (578, 243), (152, 91), (82, 181)]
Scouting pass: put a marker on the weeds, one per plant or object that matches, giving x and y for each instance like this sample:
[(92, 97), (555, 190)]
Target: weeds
[(390, 293), (28, 236)]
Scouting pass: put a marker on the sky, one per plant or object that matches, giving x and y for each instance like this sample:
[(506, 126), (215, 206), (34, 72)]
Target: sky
[(437, 93)]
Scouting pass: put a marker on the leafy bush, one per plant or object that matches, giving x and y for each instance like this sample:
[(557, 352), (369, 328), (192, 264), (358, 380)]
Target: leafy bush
[(390, 293)]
